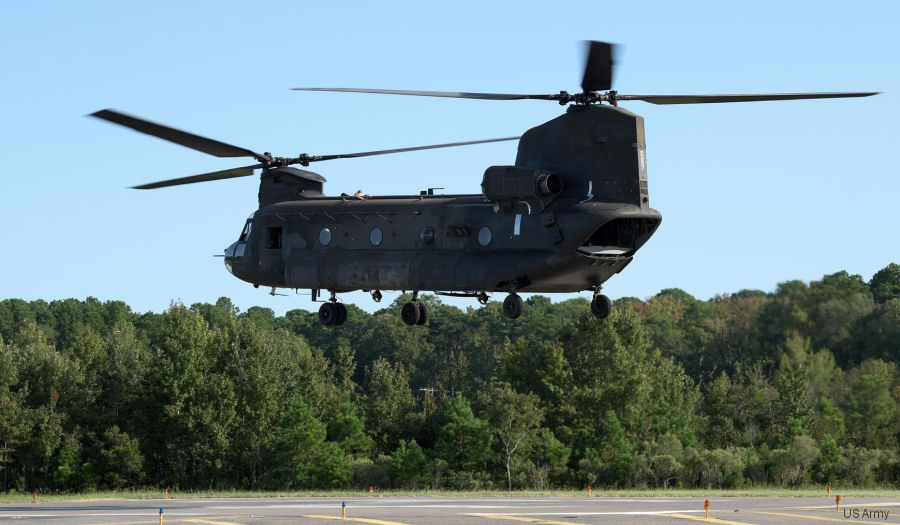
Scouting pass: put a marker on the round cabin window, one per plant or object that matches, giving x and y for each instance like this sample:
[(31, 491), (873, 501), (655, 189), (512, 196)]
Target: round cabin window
[(325, 237), (375, 236), (484, 236), (427, 235)]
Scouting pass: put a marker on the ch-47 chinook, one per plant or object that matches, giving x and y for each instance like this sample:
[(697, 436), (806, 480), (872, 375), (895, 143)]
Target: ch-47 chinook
[(570, 213)]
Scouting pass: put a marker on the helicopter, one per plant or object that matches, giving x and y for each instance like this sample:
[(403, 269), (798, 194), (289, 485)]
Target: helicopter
[(566, 216)]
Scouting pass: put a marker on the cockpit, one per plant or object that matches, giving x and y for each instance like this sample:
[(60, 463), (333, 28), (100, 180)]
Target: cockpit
[(235, 252)]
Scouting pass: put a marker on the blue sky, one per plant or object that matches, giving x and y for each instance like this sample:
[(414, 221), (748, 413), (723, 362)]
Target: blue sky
[(751, 194)]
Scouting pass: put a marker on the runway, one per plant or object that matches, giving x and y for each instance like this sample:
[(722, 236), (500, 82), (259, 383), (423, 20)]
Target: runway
[(449, 510)]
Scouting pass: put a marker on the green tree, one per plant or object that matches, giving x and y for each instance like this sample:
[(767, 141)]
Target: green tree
[(616, 451), (885, 284), (792, 386), (614, 368), (307, 460), (15, 420), (122, 462), (877, 336), (464, 441), (551, 458), (663, 458), (387, 401), (512, 417), (790, 466), (408, 464), (191, 405), (871, 411), (720, 408), (347, 429), (252, 361)]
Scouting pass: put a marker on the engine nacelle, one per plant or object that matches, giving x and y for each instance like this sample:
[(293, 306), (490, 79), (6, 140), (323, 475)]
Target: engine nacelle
[(514, 188), (288, 184)]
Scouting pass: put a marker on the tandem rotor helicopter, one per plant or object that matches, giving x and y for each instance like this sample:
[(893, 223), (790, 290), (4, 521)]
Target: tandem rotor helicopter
[(568, 214)]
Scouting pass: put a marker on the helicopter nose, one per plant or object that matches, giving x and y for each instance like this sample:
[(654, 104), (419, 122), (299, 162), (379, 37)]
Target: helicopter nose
[(229, 257)]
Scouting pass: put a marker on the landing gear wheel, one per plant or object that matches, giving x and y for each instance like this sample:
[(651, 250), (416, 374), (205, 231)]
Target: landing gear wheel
[(512, 306), (423, 313), (328, 314), (410, 313), (601, 306), (341, 313)]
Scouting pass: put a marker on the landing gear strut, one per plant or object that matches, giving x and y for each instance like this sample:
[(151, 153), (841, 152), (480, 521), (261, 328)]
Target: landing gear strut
[(601, 306), (332, 313), (512, 306), (414, 312)]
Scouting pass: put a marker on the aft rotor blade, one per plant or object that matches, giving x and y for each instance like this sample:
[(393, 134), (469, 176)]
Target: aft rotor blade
[(204, 177), (598, 68), (715, 99), (401, 150), (189, 140), (446, 94)]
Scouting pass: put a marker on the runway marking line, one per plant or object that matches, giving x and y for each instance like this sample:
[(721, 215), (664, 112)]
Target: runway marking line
[(117, 522), (173, 520), (208, 521), (701, 518), (831, 505), (364, 520), (821, 518), (521, 518)]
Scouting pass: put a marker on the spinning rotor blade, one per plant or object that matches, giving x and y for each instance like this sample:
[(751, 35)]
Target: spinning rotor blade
[(714, 99), (598, 68), (446, 94), (401, 150), (189, 140), (304, 159), (204, 177)]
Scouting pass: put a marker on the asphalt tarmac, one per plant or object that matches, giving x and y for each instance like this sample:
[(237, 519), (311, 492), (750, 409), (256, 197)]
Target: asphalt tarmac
[(450, 510)]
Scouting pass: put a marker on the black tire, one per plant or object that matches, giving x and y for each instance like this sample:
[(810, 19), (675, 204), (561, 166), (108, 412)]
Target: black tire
[(423, 313), (327, 314), (341, 313), (512, 306), (601, 306), (410, 313)]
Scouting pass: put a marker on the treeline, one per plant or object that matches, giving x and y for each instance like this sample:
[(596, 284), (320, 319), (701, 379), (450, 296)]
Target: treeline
[(792, 387)]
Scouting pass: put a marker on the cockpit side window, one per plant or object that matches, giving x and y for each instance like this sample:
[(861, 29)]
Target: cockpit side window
[(245, 234)]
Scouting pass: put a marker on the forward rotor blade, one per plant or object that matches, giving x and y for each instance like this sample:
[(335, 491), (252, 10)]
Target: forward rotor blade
[(401, 150), (446, 94), (715, 99), (598, 68), (189, 140), (204, 177)]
